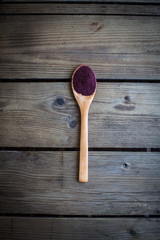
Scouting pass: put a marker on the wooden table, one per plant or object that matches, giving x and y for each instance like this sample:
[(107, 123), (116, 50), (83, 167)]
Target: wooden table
[(40, 46)]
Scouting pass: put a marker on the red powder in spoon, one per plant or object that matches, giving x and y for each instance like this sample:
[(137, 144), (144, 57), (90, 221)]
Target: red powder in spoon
[(84, 81)]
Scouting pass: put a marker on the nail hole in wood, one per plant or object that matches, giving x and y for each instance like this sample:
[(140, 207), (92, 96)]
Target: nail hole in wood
[(127, 99), (125, 165)]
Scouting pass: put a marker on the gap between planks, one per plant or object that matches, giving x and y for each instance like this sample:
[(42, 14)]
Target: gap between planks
[(63, 80), (21, 215), (30, 149), (120, 2)]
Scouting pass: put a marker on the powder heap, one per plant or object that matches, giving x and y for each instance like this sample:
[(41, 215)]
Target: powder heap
[(84, 81)]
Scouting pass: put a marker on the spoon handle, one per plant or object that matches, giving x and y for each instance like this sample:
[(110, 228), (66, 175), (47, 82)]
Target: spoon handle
[(83, 165)]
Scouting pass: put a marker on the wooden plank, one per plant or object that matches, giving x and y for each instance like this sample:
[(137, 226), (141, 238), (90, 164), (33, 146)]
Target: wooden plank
[(51, 46), (46, 115), (75, 228), (78, 8), (47, 183)]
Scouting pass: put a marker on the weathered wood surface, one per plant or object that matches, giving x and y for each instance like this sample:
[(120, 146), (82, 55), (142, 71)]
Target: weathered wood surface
[(47, 115), (47, 183), (116, 47), (49, 43), (78, 8), (79, 229)]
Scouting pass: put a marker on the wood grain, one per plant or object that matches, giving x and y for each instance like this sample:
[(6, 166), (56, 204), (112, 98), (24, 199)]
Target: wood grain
[(83, 228), (78, 8), (46, 115), (116, 47), (47, 183)]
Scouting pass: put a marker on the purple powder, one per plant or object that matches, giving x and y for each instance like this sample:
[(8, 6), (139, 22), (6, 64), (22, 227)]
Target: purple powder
[(84, 81)]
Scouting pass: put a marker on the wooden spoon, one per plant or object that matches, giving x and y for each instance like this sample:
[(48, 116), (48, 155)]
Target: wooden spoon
[(84, 103)]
